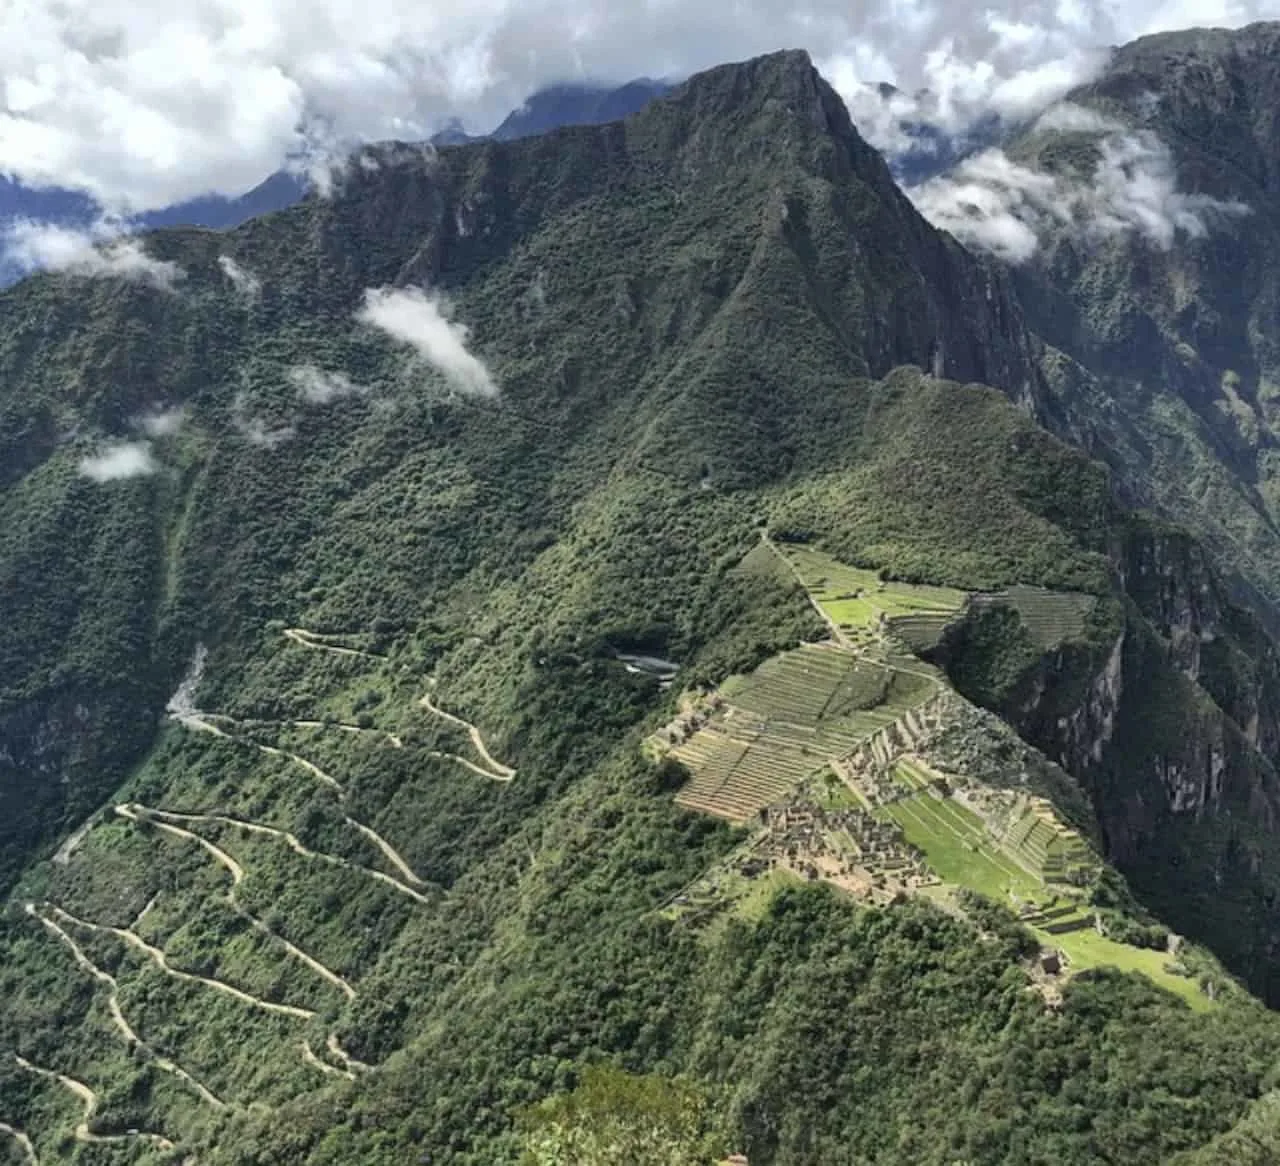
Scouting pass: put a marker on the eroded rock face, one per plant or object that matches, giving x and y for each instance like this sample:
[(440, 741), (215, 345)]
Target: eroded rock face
[(58, 759), (1169, 720)]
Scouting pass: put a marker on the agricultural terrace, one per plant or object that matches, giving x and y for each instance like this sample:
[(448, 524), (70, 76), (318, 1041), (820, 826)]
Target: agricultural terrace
[(761, 734), (858, 600), (960, 849), (1050, 617)]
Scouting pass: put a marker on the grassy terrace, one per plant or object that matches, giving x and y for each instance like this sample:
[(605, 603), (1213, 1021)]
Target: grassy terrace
[(1051, 617), (962, 853), (788, 718), (857, 598)]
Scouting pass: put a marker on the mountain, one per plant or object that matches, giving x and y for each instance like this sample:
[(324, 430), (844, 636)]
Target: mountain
[(557, 716), (1160, 361), (548, 109), (572, 105)]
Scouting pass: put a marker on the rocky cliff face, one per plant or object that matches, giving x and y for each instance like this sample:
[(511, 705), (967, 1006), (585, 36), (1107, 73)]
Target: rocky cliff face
[(1168, 716), (1173, 361)]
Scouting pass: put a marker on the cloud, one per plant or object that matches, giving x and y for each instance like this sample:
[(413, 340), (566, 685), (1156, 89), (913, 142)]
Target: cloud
[(320, 386), (119, 460), (142, 103), (1068, 118), (97, 251), (163, 422), (243, 280), (417, 318), (255, 430), (998, 205)]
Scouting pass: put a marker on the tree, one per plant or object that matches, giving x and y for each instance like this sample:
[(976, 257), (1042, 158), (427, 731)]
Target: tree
[(615, 1118)]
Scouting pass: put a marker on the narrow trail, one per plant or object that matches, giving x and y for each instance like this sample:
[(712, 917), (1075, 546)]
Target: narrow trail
[(291, 840), (137, 922), (392, 739), (324, 1066), (317, 640), (23, 1141), (837, 633), (331, 1043), (471, 765), (139, 813), (158, 957), (388, 852), (89, 1099), (117, 1015), (499, 772)]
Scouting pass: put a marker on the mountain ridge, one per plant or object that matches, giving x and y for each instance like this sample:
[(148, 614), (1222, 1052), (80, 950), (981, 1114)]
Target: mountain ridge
[(698, 321)]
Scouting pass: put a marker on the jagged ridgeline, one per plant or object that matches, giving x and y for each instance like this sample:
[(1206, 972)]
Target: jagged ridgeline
[(398, 862)]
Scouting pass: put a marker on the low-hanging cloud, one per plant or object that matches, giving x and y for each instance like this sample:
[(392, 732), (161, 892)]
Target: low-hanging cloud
[(163, 422), (319, 386), (143, 103), (993, 203), (119, 460), (419, 319), (254, 429), (97, 251), (243, 280)]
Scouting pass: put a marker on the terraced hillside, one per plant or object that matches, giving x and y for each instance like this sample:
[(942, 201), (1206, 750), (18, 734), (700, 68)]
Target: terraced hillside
[(859, 603), (758, 735), (1051, 617), (853, 713)]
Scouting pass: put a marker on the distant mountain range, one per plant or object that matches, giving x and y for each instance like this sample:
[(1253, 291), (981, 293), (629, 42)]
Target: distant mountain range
[(549, 109)]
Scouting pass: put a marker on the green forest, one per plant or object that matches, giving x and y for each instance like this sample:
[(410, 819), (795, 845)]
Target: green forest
[(331, 830)]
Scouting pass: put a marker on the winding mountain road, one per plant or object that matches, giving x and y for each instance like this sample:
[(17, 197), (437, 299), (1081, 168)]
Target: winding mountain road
[(316, 1063), (117, 1014), (158, 957), (24, 1142), (136, 812), (498, 771), (89, 1099), (291, 840)]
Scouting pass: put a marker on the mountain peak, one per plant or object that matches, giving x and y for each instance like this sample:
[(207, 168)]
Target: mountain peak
[(755, 85)]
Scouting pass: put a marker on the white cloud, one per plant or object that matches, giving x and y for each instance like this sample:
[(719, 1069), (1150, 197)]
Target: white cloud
[(1067, 117), (143, 103), (125, 459), (418, 319), (163, 422), (243, 280), (254, 429), (97, 251), (992, 202), (320, 386)]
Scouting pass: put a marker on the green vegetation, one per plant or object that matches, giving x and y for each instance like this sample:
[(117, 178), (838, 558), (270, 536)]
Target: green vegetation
[(958, 847), (689, 351), (613, 1116)]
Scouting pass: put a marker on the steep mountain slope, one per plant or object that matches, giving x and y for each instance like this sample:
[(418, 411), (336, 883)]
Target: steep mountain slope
[(1177, 330), (548, 109), (1151, 195), (397, 865)]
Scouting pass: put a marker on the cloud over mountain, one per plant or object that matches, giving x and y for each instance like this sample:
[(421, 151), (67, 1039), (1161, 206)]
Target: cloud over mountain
[(419, 319), (143, 104), (98, 251), (994, 203), (119, 460), (243, 280), (319, 386)]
